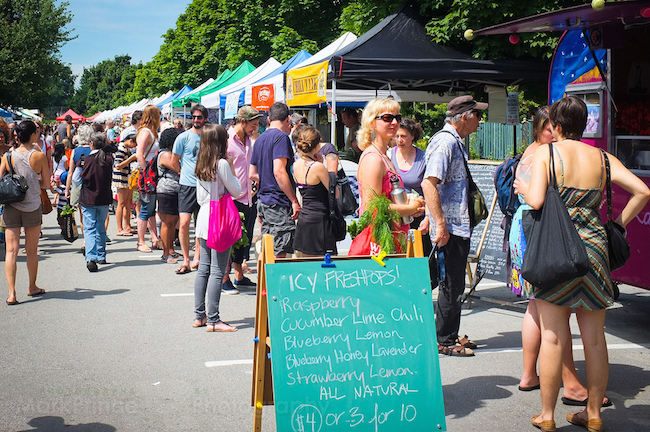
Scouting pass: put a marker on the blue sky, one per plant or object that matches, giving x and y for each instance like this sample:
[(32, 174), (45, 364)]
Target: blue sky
[(105, 29)]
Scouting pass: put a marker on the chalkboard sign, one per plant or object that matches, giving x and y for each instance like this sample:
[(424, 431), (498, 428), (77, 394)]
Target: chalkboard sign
[(492, 259), (354, 347)]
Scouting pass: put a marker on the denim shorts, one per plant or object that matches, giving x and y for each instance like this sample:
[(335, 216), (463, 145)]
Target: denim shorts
[(148, 207)]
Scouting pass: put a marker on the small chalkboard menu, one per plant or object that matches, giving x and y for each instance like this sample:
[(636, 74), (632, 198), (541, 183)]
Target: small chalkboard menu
[(492, 259), (354, 347)]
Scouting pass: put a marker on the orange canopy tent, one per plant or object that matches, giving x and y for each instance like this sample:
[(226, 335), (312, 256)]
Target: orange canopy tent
[(76, 118)]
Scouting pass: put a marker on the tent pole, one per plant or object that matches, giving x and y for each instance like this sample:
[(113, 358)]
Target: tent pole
[(333, 130)]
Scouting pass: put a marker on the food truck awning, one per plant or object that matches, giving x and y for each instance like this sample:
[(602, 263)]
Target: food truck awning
[(614, 14)]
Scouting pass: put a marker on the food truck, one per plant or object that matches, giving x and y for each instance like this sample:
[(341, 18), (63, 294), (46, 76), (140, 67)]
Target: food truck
[(603, 57)]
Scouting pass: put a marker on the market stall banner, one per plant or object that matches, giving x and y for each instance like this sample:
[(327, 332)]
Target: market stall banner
[(263, 96), (307, 85), (232, 104)]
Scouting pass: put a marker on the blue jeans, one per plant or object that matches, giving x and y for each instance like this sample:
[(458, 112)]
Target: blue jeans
[(209, 277), (95, 232)]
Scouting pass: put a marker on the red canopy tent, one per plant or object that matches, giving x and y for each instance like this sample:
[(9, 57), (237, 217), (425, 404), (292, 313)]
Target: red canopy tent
[(76, 118), (91, 118)]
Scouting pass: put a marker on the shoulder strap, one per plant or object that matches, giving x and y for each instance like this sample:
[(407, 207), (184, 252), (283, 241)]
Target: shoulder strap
[(10, 162), (608, 185), (551, 167)]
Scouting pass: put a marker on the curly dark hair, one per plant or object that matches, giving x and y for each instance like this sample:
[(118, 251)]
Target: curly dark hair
[(412, 127), (167, 138)]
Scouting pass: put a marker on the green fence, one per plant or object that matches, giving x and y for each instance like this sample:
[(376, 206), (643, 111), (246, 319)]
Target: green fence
[(495, 140)]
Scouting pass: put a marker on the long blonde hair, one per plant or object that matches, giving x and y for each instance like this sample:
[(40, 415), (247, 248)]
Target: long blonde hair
[(365, 135), (151, 120)]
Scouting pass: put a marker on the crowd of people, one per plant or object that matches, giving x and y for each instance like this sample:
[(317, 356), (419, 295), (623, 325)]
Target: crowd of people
[(283, 178)]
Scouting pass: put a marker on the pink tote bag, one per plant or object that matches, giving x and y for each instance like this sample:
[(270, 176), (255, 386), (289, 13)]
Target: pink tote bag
[(224, 224)]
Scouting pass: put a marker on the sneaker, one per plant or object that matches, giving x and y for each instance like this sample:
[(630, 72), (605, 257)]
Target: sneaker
[(244, 282), (91, 266), (108, 240), (228, 288), (102, 261)]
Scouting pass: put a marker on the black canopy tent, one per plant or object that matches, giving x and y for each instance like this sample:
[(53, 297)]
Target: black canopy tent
[(398, 54)]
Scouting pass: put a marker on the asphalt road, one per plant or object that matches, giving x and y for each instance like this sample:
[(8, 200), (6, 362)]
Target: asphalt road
[(115, 351)]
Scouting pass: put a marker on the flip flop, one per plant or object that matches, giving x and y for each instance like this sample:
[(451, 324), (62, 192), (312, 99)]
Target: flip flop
[(575, 402), (527, 389), (13, 303), (125, 234), (212, 327), (142, 247), (195, 266), (183, 270), (39, 292)]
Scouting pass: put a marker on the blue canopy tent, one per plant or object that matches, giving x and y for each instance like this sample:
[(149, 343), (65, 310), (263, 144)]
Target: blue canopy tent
[(182, 92), (245, 96)]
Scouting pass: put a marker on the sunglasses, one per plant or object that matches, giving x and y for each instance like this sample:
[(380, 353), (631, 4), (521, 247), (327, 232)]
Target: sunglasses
[(197, 117), (388, 118)]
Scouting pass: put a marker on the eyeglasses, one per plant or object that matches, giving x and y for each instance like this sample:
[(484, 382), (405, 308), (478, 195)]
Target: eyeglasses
[(197, 117), (388, 118)]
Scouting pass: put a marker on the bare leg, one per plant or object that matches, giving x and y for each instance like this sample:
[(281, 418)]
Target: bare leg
[(184, 236), (197, 253), (142, 228), (12, 240), (31, 247), (153, 231), (530, 341), (167, 228), (592, 331), (119, 211), (555, 331)]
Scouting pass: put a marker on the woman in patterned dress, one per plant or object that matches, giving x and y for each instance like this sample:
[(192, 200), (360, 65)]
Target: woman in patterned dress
[(573, 390), (581, 181)]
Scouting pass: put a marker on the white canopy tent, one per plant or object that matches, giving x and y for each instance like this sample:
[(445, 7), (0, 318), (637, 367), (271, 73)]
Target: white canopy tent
[(169, 108)]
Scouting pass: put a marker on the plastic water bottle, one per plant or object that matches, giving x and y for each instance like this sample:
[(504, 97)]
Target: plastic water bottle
[(398, 196)]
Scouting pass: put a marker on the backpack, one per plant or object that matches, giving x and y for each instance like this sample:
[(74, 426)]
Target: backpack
[(504, 177), (149, 177)]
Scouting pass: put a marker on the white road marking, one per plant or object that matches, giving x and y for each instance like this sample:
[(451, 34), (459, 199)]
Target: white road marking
[(228, 362), (177, 295)]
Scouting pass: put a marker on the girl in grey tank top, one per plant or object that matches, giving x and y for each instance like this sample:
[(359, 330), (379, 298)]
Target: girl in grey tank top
[(32, 201)]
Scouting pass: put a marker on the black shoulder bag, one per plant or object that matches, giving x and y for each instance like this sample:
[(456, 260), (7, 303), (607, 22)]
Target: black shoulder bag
[(475, 201), (555, 253), (12, 186), (339, 226), (619, 248)]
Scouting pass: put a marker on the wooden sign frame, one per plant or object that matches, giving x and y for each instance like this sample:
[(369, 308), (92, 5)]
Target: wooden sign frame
[(262, 385)]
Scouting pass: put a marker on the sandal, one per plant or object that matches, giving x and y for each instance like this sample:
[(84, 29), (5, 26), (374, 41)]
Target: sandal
[(158, 244), (200, 322), (142, 247), (183, 270), (169, 259), (465, 342), (593, 425), (544, 425), (455, 351), (220, 326)]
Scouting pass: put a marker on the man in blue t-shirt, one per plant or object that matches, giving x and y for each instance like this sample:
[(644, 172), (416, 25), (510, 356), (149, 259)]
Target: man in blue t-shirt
[(278, 206), (184, 153)]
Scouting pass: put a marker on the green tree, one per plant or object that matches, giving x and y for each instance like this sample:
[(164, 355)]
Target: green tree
[(213, 35), (105, 86), (31, 35), (447, 20)]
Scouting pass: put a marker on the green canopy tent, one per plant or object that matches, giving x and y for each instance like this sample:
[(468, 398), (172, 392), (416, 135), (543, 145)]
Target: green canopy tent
[(222, 81)]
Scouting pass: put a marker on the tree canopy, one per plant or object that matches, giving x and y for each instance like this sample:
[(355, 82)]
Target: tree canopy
[(214, 35), (105, 86), (31, 34)]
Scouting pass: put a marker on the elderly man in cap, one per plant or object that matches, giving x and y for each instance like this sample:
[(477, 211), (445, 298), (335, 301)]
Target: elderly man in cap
[(240, 148), (445, 187)]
